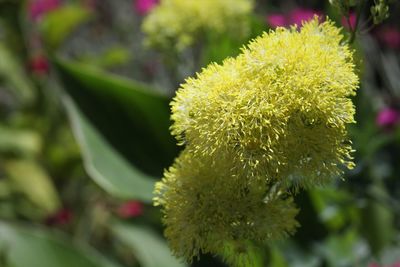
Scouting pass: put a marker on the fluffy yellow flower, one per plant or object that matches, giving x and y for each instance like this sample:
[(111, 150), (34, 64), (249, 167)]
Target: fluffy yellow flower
[(281, 107), (209, 209), (178, 22), (273, 117)]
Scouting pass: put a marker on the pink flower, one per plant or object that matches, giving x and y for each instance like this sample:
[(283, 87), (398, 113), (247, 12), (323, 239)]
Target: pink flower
[(144, 6), (39, 65), (61, 217), (352, 20), (130, 209), (388, 118), (299, 15), (37, 8), (389, 36), (276, 20)]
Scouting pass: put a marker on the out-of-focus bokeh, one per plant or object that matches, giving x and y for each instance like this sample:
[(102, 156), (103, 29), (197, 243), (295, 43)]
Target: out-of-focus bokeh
[(85, 87)]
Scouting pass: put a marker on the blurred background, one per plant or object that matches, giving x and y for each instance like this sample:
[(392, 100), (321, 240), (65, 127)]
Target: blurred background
[(84, 118)]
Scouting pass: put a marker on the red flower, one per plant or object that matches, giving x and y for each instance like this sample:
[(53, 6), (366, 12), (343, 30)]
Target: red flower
[(130, 209), (39, 65), (144, 6), (61, 217), (388, 118), (296, 16), (389, 36), (350, 23), (299, 15), (37, 8), (276, 20)]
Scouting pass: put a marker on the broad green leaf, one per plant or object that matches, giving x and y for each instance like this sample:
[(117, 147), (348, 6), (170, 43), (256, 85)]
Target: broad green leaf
[(31, 247), (150, 249), (33, 181), (57, 25), (131, 116), (14, 76), (104, 164)]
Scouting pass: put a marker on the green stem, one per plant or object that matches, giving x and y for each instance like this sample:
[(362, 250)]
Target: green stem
[(358, 16)]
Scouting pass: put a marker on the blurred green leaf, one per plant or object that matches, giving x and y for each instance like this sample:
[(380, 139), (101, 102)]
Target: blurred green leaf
[(112, 57), (150, 249), (131, 116), (105, 165), (13, 75), (24, 142), (333, 206), (30, 247), (33, 181), (377, 225), (58, 24), (345, 249)]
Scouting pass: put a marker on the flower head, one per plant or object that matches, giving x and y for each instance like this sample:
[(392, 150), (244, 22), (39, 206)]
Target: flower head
[(388, 118), (130, 209), (281, 107), (39, 65), (389, 36), (61, 217), (209, 209), (300, 15), (177, 22), (37, 8), (350, 21), (272, 117), (144, 6), (296, 16), (276, 20)]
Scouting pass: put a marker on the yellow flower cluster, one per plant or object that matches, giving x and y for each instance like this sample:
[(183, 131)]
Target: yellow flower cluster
[(272, 118), (176, 23)]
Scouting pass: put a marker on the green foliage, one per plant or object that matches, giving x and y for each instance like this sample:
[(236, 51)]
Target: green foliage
[(59, 24), (148, 247), (105, 165), (27, 247), (132, 116)]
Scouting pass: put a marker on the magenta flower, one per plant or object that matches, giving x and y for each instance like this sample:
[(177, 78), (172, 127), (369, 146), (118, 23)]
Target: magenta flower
[(130, 209), (276, 20), (37, 8), (296, 16), (144, 6), (39, 65), (61, 217), (389, 36), (351, 23), (388, 118), (299, 15)]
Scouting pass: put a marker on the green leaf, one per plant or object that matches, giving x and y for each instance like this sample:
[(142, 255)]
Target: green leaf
[(30, 247), (57, 25), (14, 76), (346, 249), (33, 181), (131, 116), (148, 247), (23, 142), (377, 225), (105, 165)]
